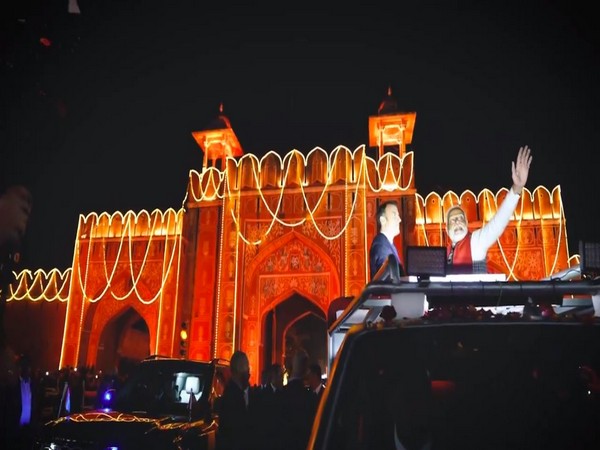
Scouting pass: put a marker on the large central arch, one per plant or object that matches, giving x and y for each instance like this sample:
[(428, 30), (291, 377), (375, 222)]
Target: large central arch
[(99, 314), (293, 324), (292, 265)]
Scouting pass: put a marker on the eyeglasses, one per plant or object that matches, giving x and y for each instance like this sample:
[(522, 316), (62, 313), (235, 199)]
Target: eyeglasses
[(459, 218)]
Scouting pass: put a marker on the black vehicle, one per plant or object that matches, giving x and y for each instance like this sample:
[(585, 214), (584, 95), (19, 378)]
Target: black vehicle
[(166, 403), (464, 365)]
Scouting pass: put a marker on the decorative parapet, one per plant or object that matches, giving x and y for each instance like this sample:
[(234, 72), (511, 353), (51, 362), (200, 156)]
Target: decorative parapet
[(136, 252), (317, 173), (538, 204), (130, 224), (540, 209), (316, 169)]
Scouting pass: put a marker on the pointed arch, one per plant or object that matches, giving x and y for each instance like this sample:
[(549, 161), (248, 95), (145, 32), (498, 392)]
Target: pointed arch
[(98, 314)]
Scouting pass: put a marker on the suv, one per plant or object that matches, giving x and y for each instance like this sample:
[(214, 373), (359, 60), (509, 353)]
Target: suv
[(166, 403), (464, 364)]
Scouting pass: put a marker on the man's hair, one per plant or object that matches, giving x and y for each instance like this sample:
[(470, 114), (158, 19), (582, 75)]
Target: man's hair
[(273, 371), (315, 369), (455, 208), (265, 376), (381, 211), (237, 361)]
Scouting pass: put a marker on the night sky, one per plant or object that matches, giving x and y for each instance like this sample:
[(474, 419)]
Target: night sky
[(97, 108)]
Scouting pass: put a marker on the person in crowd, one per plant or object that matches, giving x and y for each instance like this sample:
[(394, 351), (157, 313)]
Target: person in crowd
[(27, 402), (268, 410), (264, 378), (299, 403), (466, 250), (275, 377), (315, 380), (9, 398), (15, 209), (235, 431), (382, 247)]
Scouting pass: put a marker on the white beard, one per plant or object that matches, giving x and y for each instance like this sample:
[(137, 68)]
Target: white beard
[(458, 235)]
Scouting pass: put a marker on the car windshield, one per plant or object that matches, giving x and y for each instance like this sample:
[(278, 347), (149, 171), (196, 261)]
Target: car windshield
[(165, 389), (504, 385)]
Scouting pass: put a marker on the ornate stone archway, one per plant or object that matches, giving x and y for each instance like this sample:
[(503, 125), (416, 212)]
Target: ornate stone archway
[(291, 264), (99, 313), (124, 340)]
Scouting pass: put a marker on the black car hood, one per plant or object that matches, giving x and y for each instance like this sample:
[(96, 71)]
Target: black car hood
[(110, 427)]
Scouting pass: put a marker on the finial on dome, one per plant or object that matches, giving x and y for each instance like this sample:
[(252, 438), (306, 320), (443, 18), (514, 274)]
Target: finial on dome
[(388, 104), (218, 140)]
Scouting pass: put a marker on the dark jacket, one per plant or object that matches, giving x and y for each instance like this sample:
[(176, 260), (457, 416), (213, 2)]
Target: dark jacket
[(381, 249), (234, 420), (300, 406)]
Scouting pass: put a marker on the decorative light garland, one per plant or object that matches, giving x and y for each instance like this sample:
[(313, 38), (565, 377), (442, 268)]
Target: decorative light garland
[(211, 184), (98, 231), (219, 274), (387, 179), (40, 285)]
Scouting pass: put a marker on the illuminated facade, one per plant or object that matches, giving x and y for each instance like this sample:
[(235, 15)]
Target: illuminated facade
[(263, 245)]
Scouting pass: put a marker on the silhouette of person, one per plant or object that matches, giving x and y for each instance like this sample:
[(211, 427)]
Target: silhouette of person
[(15, 208), (299, 403), (315, 380), (267, 410), (27, 403), (234, 431), (10, 411), (467, 251)]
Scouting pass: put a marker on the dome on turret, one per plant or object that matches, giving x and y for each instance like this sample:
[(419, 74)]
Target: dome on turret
[(219, 122), (218, 140)]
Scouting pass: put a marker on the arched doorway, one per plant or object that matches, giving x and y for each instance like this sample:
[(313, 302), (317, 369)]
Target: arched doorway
[(124, 341), (295, 323)]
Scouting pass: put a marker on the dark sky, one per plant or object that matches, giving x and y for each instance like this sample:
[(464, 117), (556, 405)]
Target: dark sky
[(101, 119)]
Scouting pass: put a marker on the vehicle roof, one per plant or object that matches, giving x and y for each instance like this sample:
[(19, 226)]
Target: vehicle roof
[(512, 296), (434, 302), (179, 362)]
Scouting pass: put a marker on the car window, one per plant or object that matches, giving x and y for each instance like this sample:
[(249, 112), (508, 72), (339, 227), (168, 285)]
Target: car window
[(471, 386), (164, 390)]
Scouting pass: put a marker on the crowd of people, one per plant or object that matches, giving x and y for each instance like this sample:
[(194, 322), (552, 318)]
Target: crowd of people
[(271, 415), (30, 397)]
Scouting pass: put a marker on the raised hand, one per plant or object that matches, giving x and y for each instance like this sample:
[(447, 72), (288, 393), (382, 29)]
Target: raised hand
[(520, 170)]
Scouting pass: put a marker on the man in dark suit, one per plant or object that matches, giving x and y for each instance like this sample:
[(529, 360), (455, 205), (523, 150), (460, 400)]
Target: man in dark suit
[(382, 247), (315, 381), (235, 431), (23, 404), (267, 410), (299, 403)]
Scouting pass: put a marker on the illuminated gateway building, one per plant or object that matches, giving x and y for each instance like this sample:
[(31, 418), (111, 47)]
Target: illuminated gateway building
[(257, 253)]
